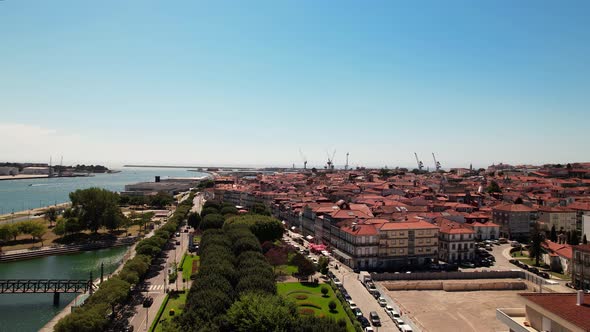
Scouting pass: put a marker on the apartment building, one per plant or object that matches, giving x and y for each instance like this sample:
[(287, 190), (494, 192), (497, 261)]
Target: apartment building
[(485, 231), (402, 244), (563, 219), (555, 312), (456, 242), (515, 220), (581, 267)]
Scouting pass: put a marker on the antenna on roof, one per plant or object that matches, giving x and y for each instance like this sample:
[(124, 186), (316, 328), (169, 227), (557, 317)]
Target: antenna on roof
[(346, 166)]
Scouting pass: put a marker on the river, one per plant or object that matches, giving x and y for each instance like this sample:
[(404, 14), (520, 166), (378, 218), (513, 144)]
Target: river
[(29, 312), (20, 195)]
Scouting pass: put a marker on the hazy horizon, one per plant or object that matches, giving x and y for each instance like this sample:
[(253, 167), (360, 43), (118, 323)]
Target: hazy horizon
[(225, 83)]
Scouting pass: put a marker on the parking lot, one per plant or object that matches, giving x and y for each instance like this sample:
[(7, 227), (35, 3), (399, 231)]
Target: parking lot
[(442, 311)]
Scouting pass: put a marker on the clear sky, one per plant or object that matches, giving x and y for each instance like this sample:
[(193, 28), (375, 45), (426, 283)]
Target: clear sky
[(252, 82)]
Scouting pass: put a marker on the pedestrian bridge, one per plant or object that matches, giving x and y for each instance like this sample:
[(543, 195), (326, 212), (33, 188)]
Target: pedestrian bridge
[(28, 286)]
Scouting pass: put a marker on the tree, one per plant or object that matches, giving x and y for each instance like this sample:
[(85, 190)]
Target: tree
[(51, 215), (214, 220), (37, 231), (194, 219), (96, 208), (573, 238), (161, 200), (265, 228), (494, 187), (260, 312), (276, 256), (229, 210), (553, 234), (323, 263), (332, 306), (260, 208), (325, 291), (305, 269), (536, 249)]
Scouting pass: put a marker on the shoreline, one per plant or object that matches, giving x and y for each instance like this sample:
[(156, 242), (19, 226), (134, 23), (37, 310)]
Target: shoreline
[(43, 176), (31, 213)]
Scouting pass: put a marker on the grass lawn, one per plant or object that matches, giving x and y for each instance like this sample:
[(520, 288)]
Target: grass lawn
[(520, 254), (187, 265), (312, 300), (286, 269), (531, 262), (561, 276), (176, 301)]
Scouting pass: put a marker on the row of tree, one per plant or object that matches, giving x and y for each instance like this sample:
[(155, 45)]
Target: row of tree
[(159, 200), (9, 232), (235, 290), (93, 315)]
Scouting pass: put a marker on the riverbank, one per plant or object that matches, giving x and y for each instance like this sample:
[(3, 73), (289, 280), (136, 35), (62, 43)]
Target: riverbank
[(16, 255), (31, 213)]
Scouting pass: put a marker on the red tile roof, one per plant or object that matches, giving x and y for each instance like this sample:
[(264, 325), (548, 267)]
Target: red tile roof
[(360, 230), (514, 208), (564, 306), (452, 227), (407, 225)]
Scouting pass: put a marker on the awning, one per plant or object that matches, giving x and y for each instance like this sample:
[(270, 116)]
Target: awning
[(309, 237), (339, 253)]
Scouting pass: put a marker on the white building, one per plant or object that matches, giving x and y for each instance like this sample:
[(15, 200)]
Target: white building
[(33, 170), (8, 170)]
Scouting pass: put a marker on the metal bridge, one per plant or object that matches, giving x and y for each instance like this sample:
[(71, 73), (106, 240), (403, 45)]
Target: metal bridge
[(28, 286)]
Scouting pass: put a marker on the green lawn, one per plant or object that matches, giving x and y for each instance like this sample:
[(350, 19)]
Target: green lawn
[(286, 269), (311, 299), (531, 262), (176, 301), (187, 265), (561, 276), (520, 254)]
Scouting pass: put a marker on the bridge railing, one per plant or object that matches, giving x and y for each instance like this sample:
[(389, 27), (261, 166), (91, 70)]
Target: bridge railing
[(44, 286)]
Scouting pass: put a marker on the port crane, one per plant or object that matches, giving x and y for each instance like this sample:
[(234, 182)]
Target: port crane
[(436, 163), (303, 158), (420, 163), (331, 160)]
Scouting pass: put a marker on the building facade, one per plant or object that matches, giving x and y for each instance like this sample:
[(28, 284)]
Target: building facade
[(456, 242), (581, 267), (515, 220)]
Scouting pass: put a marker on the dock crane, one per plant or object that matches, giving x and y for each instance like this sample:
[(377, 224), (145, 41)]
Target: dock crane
[(303, 158), (331, 160), (420, 164), (436, 163)]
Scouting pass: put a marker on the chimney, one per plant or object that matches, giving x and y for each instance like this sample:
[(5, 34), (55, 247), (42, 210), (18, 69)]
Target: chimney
[(580, 300), (157, 178)]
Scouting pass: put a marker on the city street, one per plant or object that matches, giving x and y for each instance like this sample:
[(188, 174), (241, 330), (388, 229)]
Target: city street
[(156, 285)]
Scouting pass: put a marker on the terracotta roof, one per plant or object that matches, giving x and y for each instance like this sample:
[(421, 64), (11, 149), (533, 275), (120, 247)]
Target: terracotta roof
[(564, 250), (514, 208), (564, 306), (407, 225), (360, 230), (452, 227)]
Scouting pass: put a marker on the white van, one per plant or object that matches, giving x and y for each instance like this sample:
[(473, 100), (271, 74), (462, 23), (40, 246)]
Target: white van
[(405, 328)]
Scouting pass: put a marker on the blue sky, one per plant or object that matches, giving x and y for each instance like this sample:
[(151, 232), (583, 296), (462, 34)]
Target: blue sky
[(252, 82)]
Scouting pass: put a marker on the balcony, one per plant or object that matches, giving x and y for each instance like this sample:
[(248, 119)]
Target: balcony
[(514, 319)]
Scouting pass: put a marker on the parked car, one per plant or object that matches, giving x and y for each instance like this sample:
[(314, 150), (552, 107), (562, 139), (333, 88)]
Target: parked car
[(534, 270), (369, 329), (489, 247), (357, 312), (374, 317), (352, 305), (515, 244), (398, 321), (147, 302), (382, 301), (545, 275), (177, 233), (375, 294), (363, 321), (467, 265)]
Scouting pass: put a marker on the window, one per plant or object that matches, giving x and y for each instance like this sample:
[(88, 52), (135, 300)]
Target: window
[(453, 246)]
